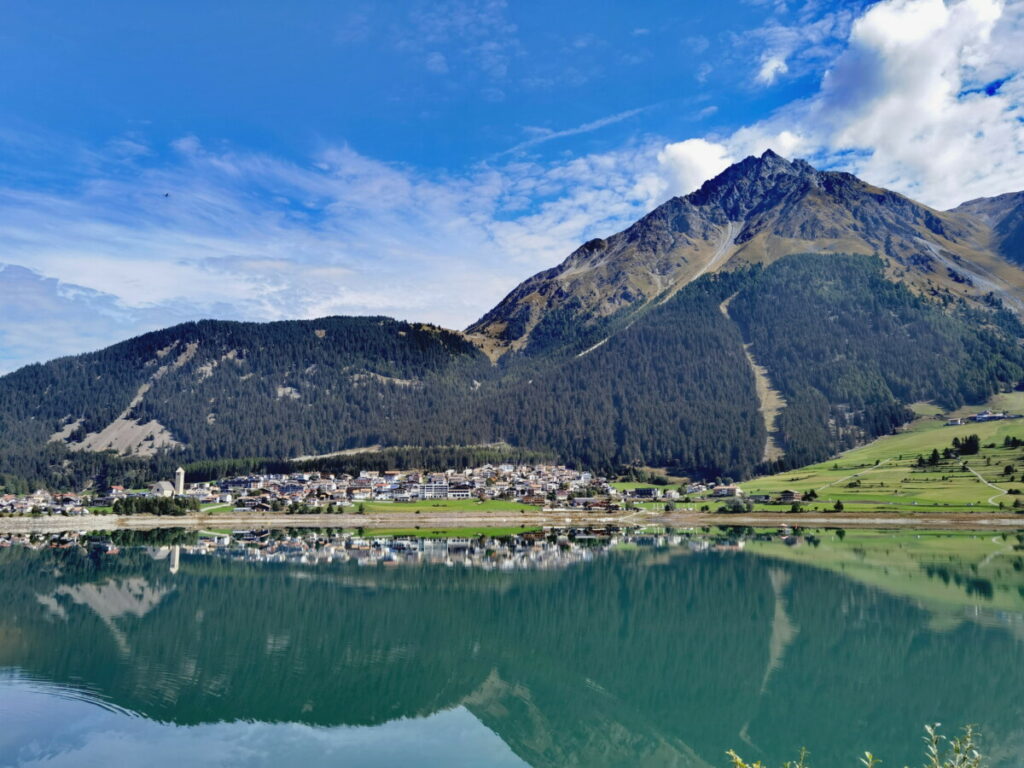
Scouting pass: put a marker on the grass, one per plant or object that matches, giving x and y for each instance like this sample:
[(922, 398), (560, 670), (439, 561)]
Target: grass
[(446, 533), (883, 475), (442, 505), (208, 509)]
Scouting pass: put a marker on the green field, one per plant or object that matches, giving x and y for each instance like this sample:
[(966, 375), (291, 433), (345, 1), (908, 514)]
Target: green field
[(945, 571), (450, 533), (884, 475), (445, 505), (212, 509)]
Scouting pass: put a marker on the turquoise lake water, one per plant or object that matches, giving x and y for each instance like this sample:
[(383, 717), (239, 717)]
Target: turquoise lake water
[(649, 655)]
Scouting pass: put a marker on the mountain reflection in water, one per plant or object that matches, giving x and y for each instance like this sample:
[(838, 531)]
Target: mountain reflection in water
[(647, 654)]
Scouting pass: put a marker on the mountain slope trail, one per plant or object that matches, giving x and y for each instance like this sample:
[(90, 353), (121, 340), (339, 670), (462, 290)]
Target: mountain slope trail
[(770, 400)]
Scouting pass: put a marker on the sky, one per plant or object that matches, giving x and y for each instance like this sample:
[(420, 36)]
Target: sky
[(251, 160)]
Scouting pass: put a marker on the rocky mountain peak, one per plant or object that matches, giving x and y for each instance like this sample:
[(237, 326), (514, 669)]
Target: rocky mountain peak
[(753, 182), (757, 211)]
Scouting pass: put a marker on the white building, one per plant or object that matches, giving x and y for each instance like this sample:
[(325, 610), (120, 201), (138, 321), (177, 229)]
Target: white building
[(432, 490), (162, 489)]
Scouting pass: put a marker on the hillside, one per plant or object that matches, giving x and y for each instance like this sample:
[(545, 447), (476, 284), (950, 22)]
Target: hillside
[(756, 212), (213, 389), (781, 353), (888, 475)]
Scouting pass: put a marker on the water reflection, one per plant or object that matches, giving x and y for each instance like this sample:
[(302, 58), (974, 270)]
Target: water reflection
[(44, 725), (665, 649)]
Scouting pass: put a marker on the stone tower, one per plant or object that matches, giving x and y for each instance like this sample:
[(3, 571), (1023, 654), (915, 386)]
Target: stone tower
[(179, 481)]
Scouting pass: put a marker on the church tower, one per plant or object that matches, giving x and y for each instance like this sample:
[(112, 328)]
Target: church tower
[(179, 481)]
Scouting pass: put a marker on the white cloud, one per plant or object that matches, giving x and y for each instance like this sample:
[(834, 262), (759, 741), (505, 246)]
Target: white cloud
[(904, 104), (772, 65), (68, 318), (690, 163), (477, 32), (897, 97)]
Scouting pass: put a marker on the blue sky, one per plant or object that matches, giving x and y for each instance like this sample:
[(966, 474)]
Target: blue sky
[(258, 160)]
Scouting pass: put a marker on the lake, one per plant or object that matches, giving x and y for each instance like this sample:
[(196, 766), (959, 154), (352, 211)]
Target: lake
[(665, 649)]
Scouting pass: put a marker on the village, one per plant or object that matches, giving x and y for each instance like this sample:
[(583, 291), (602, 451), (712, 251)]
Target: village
[(546, 487)]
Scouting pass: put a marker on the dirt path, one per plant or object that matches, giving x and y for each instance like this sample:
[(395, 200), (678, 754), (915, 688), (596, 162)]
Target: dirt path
[(719, 257), (770, 400), (855, 474), (588, 350)]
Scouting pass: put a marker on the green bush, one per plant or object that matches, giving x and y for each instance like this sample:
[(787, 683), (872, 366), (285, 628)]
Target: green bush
[(940, 752)]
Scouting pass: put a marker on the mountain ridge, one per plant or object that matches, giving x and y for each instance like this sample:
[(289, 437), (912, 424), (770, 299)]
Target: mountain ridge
[(755, 211)]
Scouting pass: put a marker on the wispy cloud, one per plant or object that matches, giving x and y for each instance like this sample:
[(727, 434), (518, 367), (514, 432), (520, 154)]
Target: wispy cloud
[(477, 32), (796, 42), (250, 236), (544, 135)]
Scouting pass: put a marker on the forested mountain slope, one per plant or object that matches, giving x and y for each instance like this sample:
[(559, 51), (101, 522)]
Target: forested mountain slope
[(217, 389)]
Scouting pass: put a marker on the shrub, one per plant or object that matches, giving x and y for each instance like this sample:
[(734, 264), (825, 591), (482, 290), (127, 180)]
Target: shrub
[(939, 752)]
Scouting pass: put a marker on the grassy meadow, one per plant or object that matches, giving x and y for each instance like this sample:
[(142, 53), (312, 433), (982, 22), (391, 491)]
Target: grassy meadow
[(440, 505), (448, 533), (884, 474)]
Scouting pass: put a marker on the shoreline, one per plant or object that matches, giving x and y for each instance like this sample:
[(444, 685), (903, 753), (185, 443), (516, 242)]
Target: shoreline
[(449, 521)]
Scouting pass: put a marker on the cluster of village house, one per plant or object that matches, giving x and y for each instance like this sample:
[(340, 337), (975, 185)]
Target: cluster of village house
[(541, 485), (552, 548), (982, 416), (546, 486)]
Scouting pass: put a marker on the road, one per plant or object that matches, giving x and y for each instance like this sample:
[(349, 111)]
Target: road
[(855, 474)]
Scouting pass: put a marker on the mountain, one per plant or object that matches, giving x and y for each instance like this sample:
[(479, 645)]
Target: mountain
[(755, 212), (1002, 218), (775, 316)]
